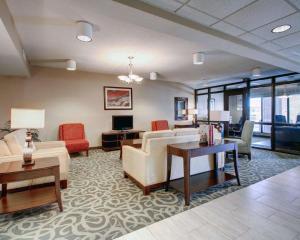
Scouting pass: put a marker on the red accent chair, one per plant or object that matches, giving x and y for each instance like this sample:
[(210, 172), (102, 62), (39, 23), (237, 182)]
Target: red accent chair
[(74, 137), (159, 125)]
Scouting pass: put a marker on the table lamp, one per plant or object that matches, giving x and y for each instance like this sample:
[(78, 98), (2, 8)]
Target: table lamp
[(193, 112), (219, 116), (29, 119)]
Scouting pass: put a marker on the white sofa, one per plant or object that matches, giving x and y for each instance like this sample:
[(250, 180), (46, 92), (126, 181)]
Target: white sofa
[(11, 150), (147, 166)]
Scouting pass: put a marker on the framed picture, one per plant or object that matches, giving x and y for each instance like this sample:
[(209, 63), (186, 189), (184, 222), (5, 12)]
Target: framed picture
[(180, 104), (117, 98)]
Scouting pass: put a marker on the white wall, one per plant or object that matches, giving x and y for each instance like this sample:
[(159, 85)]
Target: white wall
[(78, 97)]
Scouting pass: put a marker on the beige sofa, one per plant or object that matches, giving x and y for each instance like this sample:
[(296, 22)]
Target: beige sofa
[(11, 150), (147, 166)]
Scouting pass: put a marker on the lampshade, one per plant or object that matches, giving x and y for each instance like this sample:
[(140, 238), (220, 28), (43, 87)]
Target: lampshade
[(27, 118), (192, 111), (219, 116), (184, 111)]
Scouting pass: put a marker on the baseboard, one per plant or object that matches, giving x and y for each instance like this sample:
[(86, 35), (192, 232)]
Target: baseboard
[(94, 148)]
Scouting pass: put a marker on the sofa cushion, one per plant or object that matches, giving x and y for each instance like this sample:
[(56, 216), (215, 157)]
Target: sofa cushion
[(13, 144), (77, 145), (185, 131), (4, 150), (156, 134)]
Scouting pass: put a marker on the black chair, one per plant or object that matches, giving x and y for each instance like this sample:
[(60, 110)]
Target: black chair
[(280, 119), (298, 119)]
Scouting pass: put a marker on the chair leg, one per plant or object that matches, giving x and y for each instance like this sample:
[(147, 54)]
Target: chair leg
[(249, 156), (87, 153)]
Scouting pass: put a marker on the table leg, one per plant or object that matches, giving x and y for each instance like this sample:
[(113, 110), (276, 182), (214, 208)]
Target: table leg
[(216, 164), (121, 152), (235, 160), (4, 190), (57, 189), (169, 167), (186, 168)]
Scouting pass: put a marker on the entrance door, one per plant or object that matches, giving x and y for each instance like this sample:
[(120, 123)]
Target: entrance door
[(234, 102)]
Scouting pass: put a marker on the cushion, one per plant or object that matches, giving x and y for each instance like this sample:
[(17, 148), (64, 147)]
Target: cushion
[(160, 125), (186, 131), (13, 144), (72, 131), (4, 150), (77, 145), (156, 134)]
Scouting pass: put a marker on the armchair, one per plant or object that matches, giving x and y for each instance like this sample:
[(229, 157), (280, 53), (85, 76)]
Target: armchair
[(244, 144), (74, 137), (159, 125)]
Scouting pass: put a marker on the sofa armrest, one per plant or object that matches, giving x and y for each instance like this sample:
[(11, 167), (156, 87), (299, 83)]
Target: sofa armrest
[(50, 144), (11, 158), (134, 163)]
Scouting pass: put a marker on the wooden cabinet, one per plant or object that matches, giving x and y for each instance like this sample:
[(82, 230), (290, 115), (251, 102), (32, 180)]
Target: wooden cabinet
[(112, 140)]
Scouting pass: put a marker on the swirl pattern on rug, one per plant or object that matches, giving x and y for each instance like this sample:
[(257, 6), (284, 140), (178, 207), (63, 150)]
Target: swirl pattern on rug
[(100, 203)]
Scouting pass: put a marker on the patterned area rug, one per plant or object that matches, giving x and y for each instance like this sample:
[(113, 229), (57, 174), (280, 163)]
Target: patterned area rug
[(100, 204)]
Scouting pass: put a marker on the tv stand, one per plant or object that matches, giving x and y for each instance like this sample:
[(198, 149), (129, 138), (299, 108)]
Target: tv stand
[(112, 140)]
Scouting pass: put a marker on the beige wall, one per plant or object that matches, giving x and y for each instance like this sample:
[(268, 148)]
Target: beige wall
[(78, 97)]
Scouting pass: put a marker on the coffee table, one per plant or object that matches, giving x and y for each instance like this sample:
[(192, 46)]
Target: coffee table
[(136, 143), (34, 197)]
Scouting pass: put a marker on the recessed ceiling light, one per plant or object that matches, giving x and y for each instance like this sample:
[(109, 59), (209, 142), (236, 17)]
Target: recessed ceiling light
[(85, 31), (281, 28)]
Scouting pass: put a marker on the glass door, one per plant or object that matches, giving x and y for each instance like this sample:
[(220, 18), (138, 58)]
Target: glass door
[(234, 102), (287, 118), (261, 115)]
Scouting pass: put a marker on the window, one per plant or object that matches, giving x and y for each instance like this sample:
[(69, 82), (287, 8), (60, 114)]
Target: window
[(202, 107)]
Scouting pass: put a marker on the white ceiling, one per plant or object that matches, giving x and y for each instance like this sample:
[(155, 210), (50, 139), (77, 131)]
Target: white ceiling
[(47, 31), (250, 20), (12, 60)]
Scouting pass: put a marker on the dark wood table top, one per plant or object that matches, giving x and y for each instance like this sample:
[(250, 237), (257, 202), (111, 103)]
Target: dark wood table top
[(196, 149), (197, 145), (16, 166)]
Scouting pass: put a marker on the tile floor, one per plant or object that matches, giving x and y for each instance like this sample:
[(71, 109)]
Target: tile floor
[(267, 210)]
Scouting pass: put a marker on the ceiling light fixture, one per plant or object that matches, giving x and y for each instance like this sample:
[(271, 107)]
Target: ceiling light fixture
[(131, 77), (198, 58), (84, 31), (256, 72), (71, 65), (153, 76), (281, 28)]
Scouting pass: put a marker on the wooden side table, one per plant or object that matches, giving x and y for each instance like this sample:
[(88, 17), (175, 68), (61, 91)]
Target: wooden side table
[(35, 197), (202, 181), (136, 143)]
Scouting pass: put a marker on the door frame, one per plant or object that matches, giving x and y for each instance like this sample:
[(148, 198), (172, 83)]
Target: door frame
[(234, 92)]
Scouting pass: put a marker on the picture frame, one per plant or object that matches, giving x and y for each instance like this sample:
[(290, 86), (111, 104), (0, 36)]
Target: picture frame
[(180, 103), (117, 98)]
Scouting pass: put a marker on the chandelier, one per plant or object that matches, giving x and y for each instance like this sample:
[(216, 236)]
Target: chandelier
[(131, 77)]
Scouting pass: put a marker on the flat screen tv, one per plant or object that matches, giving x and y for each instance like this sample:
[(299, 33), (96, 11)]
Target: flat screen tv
[(122, 122)]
